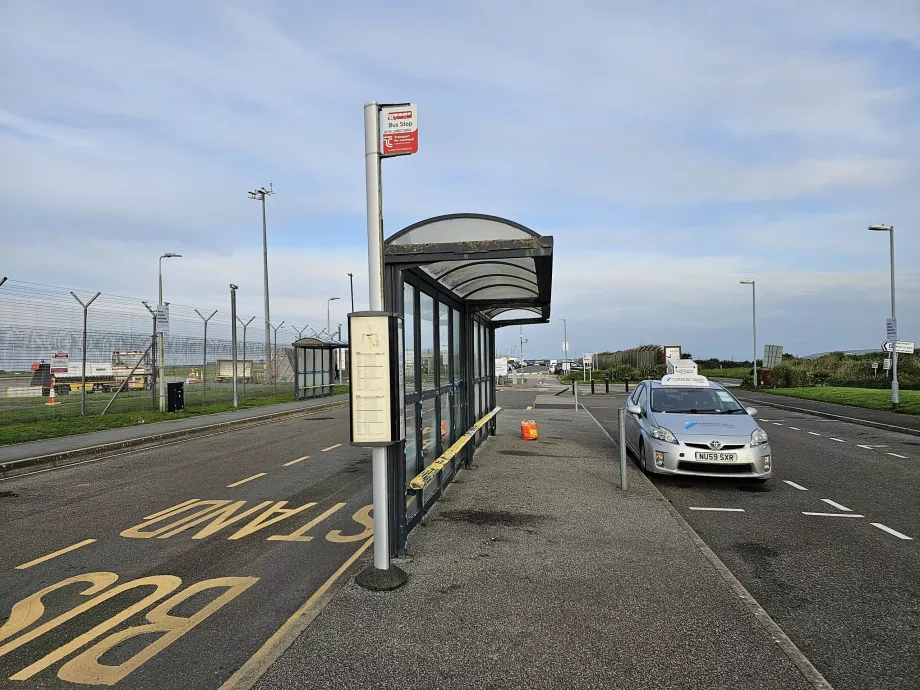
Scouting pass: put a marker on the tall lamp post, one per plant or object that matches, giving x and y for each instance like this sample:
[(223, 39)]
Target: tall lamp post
[(162, 373), (895, 392), (754, 317), (351, 285), (328, 322), (259, 195)]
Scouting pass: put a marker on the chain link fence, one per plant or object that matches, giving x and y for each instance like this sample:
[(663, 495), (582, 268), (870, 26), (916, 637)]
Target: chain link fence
[(40, 324)]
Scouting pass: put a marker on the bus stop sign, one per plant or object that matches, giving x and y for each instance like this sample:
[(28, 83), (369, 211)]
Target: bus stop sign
[(399, 129)]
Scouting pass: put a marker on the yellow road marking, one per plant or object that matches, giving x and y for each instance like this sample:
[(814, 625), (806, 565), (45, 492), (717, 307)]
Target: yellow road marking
[(330, 447), (294, 462), (248, 479), (169, 510), (247, 675), (83, 543)]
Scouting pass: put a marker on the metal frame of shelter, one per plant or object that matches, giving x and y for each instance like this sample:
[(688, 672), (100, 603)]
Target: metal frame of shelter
[(307, 367), (455, 279)]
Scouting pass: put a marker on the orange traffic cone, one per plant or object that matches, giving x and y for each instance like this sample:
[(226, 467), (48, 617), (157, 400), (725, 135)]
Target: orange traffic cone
[(52, 397)]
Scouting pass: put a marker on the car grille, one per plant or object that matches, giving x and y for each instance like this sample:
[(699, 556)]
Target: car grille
[(705, 446), (715, 467)]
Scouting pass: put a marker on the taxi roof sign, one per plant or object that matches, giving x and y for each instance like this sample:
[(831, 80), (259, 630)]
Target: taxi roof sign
[(685, 380)]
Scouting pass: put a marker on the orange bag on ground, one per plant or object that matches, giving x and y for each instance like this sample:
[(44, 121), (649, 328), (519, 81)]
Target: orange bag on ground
[(528, 430)]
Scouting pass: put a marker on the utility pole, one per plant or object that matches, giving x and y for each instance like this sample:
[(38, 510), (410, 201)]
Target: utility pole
[(259, 195), (895, 390), (351, 284), (328, 322), (233, 318)]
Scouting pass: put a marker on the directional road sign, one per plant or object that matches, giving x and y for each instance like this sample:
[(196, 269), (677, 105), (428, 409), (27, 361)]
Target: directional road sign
[(888, 346), (904, 347)]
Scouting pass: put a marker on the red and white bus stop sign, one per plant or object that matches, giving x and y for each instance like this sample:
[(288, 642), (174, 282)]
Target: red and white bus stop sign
[(399, 129)]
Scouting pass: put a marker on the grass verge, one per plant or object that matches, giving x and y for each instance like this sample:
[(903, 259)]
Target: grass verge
[(869, 398), (69, 426)]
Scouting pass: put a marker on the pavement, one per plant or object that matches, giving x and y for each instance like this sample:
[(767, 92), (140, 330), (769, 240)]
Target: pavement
[(537, 571), (126, 435)]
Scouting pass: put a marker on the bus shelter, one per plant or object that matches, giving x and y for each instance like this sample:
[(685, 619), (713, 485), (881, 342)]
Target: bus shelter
[(316, 367), (454, 279)]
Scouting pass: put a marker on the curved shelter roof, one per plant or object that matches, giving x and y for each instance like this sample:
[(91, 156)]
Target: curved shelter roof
[(493, 264)]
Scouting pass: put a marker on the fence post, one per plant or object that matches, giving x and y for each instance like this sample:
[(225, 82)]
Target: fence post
[(204, 367), (621, 416), (83, 375), (244, 352), (233, 289)]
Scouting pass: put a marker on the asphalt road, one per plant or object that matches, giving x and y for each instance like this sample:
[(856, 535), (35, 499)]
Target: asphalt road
[(200, 595), (845, 589)]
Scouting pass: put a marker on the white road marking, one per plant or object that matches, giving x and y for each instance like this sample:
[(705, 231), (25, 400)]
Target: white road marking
[(853, 515), (795, 486), (903, 457), (838, 440), (776, 423), (795, 428), (719, 510), (836, 505), (891, 531), (866, 447), (814, 433), (770, 420)]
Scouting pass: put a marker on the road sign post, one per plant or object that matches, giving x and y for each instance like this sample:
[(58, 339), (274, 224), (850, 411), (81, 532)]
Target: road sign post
[(400, 138)]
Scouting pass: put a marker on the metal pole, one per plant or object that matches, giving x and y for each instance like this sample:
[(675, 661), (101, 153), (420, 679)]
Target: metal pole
[(268, 342), (375, 295), (124, 383), (83, 375), (233, 288), (575, 386), (754, 312), (244, 352), (275, 362), (351, 285), (621, 417), (161, 377), (153, 356), (895, 390), (204, 367)]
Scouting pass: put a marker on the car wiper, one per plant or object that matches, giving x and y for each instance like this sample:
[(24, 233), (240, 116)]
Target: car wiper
[(732, 411)]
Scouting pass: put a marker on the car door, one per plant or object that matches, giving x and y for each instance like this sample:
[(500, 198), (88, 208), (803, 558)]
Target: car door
[(632, 421), (641, 420)]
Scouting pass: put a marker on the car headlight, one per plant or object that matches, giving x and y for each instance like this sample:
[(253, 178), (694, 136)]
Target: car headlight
[(662, 434), (759, 437)]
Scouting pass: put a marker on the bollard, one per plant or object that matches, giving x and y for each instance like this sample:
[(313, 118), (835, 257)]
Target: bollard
[(621, 416), (573, 386), (627, 384), (592, 386), (607, 385), (576, 396)]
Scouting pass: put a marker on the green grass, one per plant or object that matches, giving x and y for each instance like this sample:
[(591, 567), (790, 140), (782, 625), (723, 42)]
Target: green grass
[(68, 426), (869, 398), (734, 373)]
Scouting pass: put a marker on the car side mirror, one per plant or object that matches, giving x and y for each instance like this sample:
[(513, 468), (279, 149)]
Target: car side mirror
[(634, 409), (751, 410)]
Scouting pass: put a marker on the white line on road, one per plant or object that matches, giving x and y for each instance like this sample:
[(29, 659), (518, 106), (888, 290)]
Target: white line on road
[(866, 447), (853, 515), (719, 510), (795, 486), (836, 505), (891, 531), (330, 447), (795, 428), (294, 462), (814, 433), (248, 479), (838, 440), (903, 457), (776, 424)]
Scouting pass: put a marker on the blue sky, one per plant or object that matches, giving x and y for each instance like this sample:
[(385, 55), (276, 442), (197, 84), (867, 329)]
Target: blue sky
[(672, 149)]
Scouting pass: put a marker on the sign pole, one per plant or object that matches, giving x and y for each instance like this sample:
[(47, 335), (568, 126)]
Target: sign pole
[(382, 575)]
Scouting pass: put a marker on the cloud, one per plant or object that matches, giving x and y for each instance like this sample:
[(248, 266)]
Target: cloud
[(685, 145)]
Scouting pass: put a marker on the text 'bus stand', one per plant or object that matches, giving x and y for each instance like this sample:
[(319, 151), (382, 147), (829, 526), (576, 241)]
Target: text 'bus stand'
[(382, 575)]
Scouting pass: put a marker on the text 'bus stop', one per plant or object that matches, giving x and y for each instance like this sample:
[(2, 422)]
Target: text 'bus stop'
[(454, 279)]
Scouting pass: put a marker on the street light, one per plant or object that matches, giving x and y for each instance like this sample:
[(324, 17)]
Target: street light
[(162, 373), (351, 284), (895, 392), (328, 322), (754, 312), (259, 195)]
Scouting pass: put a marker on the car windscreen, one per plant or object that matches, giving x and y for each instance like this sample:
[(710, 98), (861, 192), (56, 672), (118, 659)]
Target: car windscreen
[(694, 401)]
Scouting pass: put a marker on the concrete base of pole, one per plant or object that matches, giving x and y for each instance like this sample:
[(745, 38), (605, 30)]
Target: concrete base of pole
[(378, 580)]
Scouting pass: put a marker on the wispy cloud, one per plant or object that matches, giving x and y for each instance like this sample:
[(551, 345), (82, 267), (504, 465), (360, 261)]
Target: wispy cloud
[(685, 144)]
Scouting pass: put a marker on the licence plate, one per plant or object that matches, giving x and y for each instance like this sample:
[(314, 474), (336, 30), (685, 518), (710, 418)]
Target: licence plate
[(717, 457)]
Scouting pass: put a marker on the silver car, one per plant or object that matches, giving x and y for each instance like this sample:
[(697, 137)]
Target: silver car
[(689, 425)]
